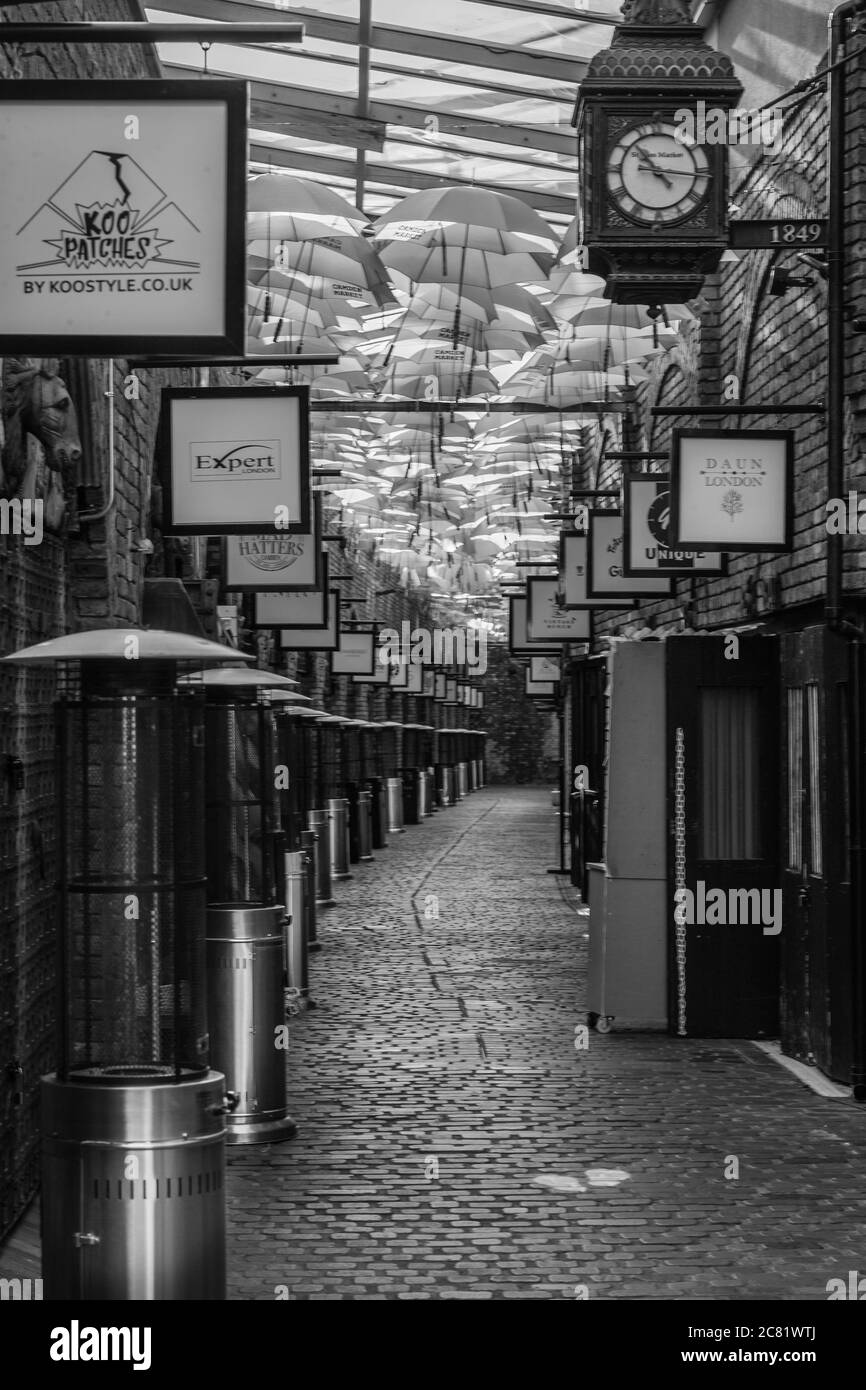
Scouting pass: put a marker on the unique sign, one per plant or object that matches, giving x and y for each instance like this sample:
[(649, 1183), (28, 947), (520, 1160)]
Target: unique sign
[(415, 679), (429, 683), (450, 691), (235, 460), (574, 571), (648, 550), (793, 232), (122, 219), (733, 490), (547, 621), (545, 668), (327, 639), (275, 560), (518, 636), (356, 654), (439, 686), (308, 609), (605, 577)]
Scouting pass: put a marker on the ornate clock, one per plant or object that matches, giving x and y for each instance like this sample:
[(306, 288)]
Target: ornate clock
[(653, 206)]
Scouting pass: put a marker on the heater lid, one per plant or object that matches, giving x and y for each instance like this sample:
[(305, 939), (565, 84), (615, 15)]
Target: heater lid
[(238, 676), (115, 644)]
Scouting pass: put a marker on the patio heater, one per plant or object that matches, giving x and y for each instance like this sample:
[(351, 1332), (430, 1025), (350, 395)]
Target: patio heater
[(462, 766), (318, 818), (373, 775), (425, 770), (357, 792), (298, 865), (133, 1151), (391, 739), (248, 933), (332, 793), (410, 770), (445, 768)]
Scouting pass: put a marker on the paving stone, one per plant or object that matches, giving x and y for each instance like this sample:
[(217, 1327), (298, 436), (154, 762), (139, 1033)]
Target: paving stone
[(437, 1081)]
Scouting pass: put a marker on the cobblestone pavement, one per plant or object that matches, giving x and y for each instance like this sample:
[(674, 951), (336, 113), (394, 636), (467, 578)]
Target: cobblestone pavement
[(454, 1144)]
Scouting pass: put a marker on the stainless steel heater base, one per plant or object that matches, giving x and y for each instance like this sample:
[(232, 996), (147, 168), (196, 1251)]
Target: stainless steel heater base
[(133, 1189)]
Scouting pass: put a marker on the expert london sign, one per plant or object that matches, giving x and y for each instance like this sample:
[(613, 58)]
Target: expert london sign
[(235, 459), (122, 217), (732, 490)]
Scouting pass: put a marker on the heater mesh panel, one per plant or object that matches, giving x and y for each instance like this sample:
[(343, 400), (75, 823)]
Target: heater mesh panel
[(330, 762), (240, 804), (133, 895)]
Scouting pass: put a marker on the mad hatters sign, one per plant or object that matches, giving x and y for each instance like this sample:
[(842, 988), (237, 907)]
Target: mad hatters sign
[(122, 217), (648, 550), (235, 460), (732, 490), (276, 560)]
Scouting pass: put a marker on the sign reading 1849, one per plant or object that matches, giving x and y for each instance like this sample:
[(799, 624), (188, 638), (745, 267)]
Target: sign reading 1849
[(794, 232), (122, 217)]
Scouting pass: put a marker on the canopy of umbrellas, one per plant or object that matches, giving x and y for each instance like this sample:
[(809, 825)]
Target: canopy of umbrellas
[(455, 298)]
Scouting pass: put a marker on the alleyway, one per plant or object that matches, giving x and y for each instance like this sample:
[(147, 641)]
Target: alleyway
[(453, 1143)]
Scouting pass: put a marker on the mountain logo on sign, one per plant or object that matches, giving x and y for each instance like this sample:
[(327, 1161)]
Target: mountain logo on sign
[(109, 214)]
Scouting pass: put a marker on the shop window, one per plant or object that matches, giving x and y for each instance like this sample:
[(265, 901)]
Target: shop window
[(730, 772), (795, 777)]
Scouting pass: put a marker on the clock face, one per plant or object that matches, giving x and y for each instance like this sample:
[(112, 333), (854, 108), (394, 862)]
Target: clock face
[(654, 178)]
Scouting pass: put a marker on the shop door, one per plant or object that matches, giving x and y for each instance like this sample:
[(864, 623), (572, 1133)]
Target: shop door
[(723, 828), (586, 762), (816, 1021)]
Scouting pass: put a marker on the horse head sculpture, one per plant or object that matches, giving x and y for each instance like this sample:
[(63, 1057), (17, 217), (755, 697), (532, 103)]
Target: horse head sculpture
[(35, 401)]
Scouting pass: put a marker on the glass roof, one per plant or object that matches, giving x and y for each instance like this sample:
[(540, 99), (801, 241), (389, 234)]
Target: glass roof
[(474, 352)]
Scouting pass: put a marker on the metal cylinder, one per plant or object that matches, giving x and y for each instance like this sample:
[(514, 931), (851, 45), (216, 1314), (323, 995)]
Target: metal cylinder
[(446, 785), (462, 781), (319, 823), (133, 1190), (338, 826), (473, 774), (365, 825), (309, 844), (380, 813), (410, 796), (394, 793), (297, 976), (245, 1011), (425, 796)]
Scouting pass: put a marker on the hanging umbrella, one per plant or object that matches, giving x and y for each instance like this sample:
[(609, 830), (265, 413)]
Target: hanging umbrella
[(482, 210), (302, 202)]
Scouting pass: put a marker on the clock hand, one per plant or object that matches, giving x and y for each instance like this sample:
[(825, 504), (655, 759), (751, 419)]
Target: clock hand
[(667, 173), (650, 164), (659, 173)]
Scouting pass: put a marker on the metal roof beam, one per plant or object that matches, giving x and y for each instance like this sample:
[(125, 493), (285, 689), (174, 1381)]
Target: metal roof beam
[(277, 96), (401, 178), (390, 38)]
